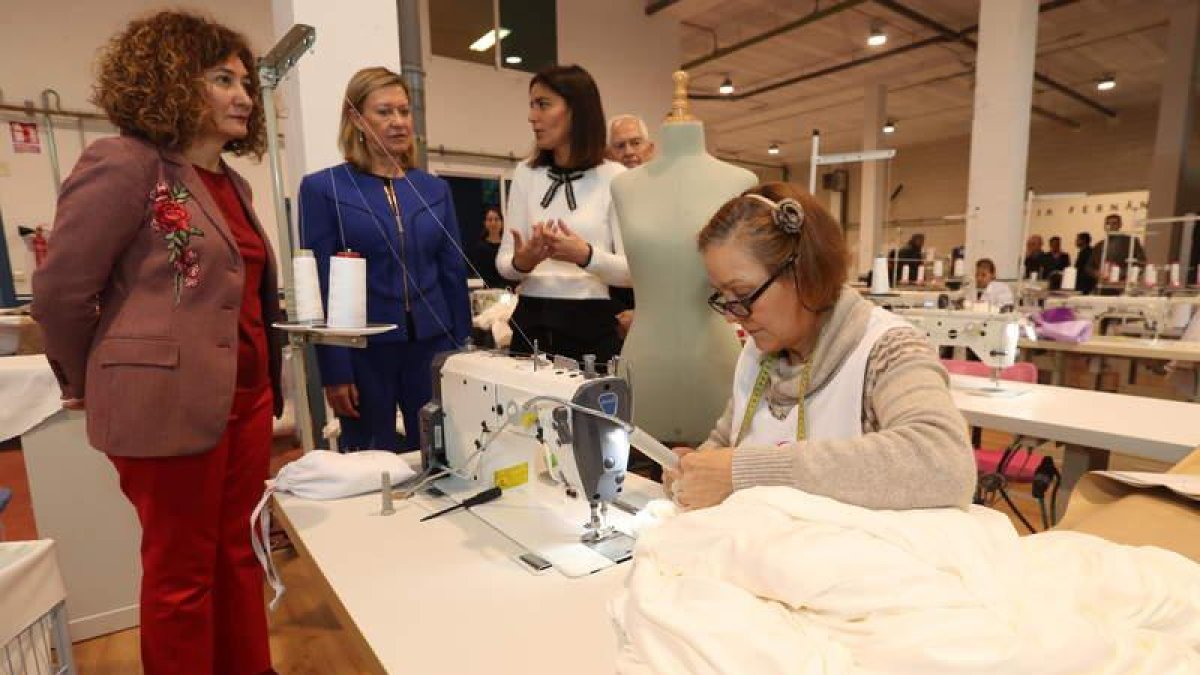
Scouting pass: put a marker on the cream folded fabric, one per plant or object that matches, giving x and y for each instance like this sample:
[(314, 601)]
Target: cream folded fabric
[(780, 581)]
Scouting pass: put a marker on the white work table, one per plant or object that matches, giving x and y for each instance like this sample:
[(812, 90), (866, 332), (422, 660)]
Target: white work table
[(1126, 347), (447, 595), (1119, 347), (1088, 423)]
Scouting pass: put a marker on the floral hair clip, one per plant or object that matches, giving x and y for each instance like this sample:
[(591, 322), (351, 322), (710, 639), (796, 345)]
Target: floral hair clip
[(788, 213)]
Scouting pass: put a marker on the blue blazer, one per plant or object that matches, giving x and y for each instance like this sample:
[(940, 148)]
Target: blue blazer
[(437, 272)]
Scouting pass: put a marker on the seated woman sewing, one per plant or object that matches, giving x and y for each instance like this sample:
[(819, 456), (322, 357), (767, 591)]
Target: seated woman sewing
[(878, 427)]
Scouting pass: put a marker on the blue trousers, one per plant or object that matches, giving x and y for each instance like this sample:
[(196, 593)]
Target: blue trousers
[(390, 375)]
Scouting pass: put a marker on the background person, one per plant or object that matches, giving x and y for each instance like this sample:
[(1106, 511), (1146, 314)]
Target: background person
[(565, 247)]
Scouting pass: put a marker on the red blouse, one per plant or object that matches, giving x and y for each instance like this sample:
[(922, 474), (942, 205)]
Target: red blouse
[(252, 335)]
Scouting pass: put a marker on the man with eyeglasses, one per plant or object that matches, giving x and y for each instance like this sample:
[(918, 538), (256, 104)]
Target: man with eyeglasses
[(629, 141)]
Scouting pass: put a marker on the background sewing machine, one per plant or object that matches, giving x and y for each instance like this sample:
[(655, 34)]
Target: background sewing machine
[(991, 336), (555, 436), (931, 299), (1159, 314)]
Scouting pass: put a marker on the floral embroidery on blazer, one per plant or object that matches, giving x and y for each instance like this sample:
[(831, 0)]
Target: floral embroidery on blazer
[(174, 223)]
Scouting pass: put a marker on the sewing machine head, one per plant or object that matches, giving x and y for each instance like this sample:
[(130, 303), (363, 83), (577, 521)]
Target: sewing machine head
[(1154, 311), (515, 421), (991, 336), (910, 299)]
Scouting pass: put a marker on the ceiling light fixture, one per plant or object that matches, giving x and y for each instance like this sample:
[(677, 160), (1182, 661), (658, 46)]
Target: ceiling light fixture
[(512, 60), (773, 149), (877, 38), (889, 127), (726, 87), (1106, 83), (488, 40)]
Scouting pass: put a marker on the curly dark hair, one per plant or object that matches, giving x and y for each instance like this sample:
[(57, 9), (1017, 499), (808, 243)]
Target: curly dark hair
[(150, 80)]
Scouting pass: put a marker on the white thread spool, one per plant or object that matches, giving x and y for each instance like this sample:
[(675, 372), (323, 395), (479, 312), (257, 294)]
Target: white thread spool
[(879, 277), (309, 308), (1114, 273), (959, 268), (939, 269), (1134, 274), (921, 274), (1176, 279), (1033, 276), (347, 291), (903, 274), (1069, 277), (1150, 276), (1181, 315)]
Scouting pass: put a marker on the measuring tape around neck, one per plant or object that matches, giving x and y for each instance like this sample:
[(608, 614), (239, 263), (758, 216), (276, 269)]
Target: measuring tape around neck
[(760, 388)]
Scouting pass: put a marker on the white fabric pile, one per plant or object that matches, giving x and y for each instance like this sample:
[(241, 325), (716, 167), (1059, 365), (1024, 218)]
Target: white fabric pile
[(780, 581), (499, 307)]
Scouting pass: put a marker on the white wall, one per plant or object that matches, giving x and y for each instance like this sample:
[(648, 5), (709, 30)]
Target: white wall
[(311, 93), (1102, 157), (53, 44)]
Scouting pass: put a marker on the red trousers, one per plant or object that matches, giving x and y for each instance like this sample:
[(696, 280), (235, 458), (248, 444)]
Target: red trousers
[(202, 605)]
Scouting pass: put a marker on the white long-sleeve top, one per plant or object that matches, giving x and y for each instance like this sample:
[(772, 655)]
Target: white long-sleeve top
[(594, 219), (998, 294)]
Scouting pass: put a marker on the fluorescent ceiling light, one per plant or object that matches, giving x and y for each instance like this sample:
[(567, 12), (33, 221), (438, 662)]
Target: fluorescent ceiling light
[(488, 40), (773, 149), (726, 86), (1106, 83), (514, 59), (877, 38)]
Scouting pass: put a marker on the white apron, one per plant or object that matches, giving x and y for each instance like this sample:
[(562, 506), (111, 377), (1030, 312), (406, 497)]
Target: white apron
[(834, 413)]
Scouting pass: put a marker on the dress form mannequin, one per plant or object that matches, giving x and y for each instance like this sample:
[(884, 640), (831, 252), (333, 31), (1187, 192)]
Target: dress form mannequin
[(680, 355)]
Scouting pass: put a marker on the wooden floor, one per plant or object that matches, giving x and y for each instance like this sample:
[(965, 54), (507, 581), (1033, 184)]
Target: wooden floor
[(306, 637)]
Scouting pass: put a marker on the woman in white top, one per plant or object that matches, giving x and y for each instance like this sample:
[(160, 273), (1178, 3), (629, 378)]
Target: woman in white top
[(565, 247), (995, 293)]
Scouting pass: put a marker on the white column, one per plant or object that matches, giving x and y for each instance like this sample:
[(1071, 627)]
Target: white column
[(347, 41), (1000, 133), (872, 197), (1174, 180)]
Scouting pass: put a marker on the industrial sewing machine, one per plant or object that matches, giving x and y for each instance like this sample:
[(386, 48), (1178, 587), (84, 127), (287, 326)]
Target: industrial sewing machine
[(1158, 313), (991, 336), (555, 436), (903, 299)]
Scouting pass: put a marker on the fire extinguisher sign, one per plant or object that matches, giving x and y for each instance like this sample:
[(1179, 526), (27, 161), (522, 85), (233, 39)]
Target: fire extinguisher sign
[(25, 137)]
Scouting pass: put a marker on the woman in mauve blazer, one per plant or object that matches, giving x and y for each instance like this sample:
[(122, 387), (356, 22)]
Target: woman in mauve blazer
[(156, 300)]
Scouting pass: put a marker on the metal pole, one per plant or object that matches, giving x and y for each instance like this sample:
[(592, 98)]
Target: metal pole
[(271, 70), (812, 162), (51, 142), (289, 238), (408, 12)]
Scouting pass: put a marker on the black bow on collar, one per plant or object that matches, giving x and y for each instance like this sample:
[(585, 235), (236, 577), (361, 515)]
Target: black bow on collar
[(558, 178)]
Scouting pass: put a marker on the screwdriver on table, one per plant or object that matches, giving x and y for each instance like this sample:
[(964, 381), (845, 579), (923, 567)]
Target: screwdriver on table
[(488, 495)]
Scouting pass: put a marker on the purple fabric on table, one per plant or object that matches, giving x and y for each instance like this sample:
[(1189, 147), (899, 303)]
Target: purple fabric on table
[(1055, 315), (1059, 324)]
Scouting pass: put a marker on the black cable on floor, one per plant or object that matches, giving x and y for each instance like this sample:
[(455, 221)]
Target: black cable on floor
[(1017, 512)]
